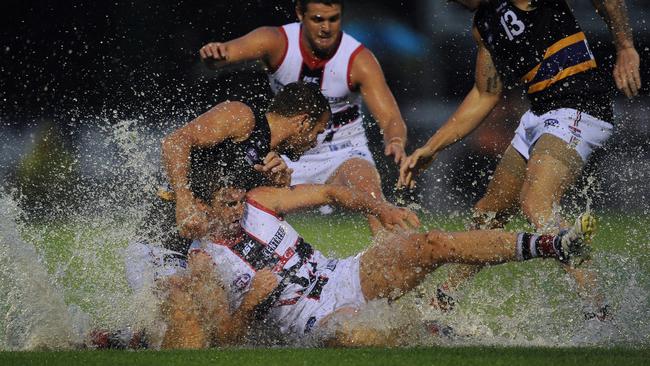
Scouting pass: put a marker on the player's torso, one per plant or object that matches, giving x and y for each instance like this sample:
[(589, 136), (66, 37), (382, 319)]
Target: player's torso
[(545, 49), (518, 39), (267, 241), (332, 75)]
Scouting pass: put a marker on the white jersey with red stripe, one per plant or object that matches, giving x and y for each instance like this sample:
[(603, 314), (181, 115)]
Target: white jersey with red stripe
[(267, 241), (333, 76), (344, 137)]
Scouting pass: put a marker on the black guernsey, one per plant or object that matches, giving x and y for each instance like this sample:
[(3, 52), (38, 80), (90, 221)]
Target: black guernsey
[(229, 164), (546, 50)]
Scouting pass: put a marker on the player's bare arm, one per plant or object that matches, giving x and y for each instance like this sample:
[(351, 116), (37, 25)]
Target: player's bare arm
[(367, 75), (266, 44), (228, 120), (626, 70), (478, 103), (303, 196), (235, 327)]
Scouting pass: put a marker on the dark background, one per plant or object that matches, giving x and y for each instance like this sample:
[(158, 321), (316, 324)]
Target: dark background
[(63, 61)]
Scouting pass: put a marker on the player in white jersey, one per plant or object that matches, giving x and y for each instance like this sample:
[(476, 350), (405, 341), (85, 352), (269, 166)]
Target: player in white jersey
[(317, 50), (309, 289)]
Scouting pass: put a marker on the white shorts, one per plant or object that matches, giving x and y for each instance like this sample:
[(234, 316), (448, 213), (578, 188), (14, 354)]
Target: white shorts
[(342, 290), (318, 164), (582, 132), (145, 263)]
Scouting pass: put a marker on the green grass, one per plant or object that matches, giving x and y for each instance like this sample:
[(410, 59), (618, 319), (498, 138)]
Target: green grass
[(313, 357), (89, 280)]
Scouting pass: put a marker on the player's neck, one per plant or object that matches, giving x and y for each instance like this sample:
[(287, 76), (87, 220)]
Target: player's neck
[(524, 5), (279, 132), (316, 56)]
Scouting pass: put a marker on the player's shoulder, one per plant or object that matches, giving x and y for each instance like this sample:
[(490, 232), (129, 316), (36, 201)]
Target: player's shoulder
[(269, 34), (242, 122)]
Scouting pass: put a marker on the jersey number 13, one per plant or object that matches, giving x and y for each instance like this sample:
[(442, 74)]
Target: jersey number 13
[(512, 25)]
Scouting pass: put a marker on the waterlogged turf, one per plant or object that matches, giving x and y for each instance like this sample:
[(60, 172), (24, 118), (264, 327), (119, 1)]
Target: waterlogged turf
[(84, 262), (314, 357)]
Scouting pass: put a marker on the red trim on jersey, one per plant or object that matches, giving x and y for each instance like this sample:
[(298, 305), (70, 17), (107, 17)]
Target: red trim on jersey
[(350, 61), (275, 68), (312, 61), (263, 242), (259, 206), (287, 302)]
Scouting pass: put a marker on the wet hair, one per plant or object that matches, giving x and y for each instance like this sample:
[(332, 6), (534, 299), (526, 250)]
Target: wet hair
[(302, 4), (300, 98)]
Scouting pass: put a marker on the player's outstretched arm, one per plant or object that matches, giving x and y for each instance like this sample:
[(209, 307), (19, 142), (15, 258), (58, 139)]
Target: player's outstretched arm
[(366, 74), (228, 120), (626, 70), (266, 44), (303, 196), (478, 103)]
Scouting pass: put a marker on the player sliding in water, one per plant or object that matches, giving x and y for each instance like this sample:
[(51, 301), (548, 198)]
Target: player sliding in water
[(261, 268)]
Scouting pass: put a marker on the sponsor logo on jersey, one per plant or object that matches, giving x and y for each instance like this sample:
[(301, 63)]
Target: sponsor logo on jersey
[(252, 157), (275, 241), (247, 248), (242, 281)]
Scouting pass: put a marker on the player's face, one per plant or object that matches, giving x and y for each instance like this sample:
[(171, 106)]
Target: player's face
[(321, 25), (306, 138), (468, 4), (227, 209)]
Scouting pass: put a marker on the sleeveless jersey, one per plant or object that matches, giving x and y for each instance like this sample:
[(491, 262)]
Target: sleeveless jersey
[(228, 164), (546, 50), (333, 77), (267, 241)]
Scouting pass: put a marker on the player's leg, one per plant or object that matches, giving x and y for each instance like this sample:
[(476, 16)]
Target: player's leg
[(194, 306), (398, 264), (502, 195), (552, 168), (184, 330), (362, 175), (490, 212)]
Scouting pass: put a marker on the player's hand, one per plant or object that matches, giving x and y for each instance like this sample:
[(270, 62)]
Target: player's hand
[(626, 71), (264, 282), (414, 165), (395, 148), (191, 218), (213, 52), (393, 217), (275, 169)]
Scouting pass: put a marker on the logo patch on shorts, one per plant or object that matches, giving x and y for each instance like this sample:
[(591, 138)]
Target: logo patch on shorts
[(551, 123), (310, 324)]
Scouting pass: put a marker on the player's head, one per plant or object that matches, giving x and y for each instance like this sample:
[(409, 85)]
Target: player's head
[(321, 23), (305, 112), (227, 205), (468, 4)]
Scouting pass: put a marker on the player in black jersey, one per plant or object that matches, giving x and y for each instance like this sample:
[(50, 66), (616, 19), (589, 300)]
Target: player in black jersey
[(230, 145), (540, 44)]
